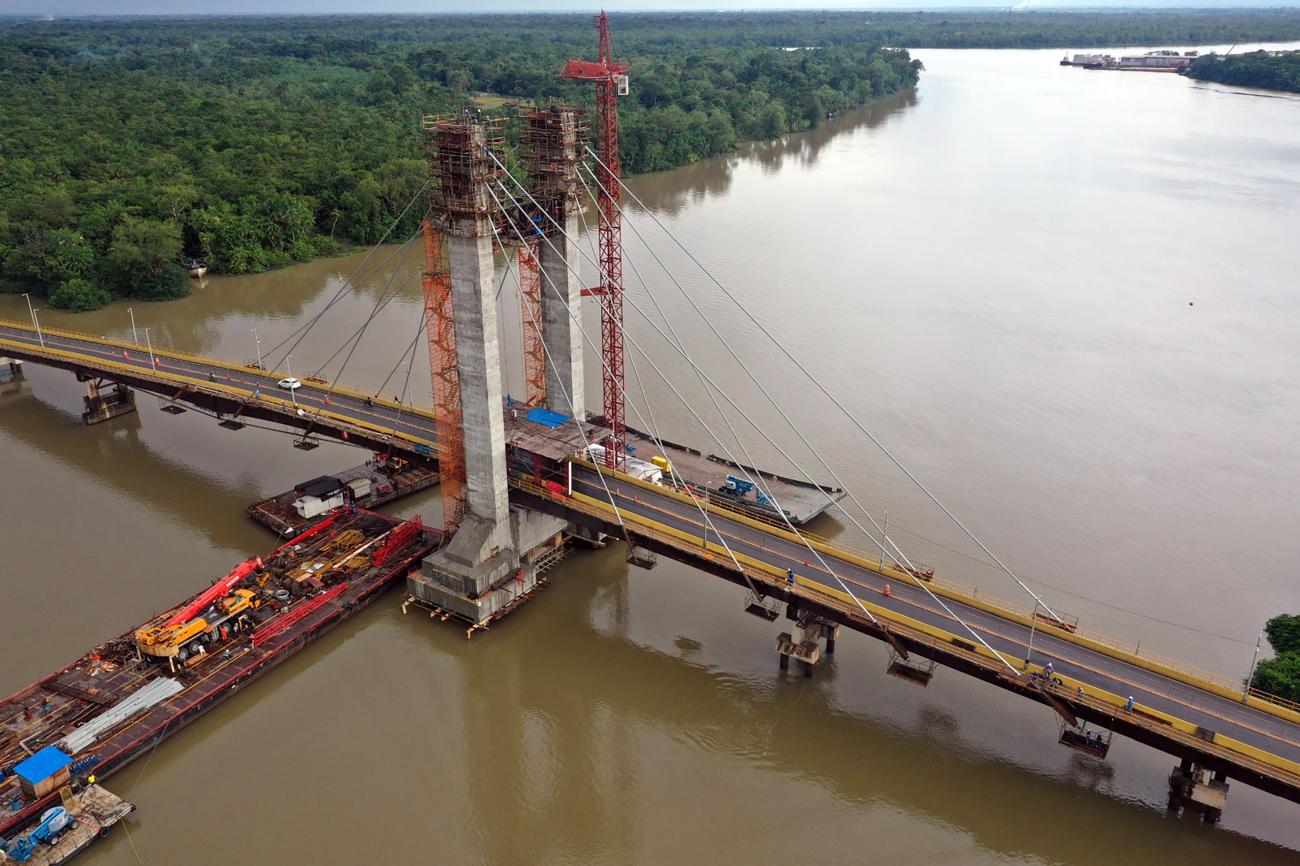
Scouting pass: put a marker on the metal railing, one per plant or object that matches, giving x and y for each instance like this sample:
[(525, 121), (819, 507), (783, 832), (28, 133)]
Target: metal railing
[(959, 592)]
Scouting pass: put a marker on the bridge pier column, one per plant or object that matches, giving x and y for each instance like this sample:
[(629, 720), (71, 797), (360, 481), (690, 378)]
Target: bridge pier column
[(1194, 787), (805, 640), (106, 400), (11, 375)]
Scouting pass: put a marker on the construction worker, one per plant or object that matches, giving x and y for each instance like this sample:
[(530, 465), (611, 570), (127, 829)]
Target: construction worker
[(789, 576), (1129, 705)]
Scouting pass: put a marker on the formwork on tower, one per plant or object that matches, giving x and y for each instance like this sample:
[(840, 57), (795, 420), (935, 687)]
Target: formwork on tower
[(550, 147), (459, 169)]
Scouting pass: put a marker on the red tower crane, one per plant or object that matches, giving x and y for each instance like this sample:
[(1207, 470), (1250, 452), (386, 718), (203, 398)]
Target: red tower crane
[(611, 82)]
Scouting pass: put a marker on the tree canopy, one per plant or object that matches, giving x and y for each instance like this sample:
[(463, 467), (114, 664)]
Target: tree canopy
[(1281, 675), (133, 145), (1274, 70)]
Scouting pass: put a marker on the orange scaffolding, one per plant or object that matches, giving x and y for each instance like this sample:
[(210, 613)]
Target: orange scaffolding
[(441, 328), (530, 307)]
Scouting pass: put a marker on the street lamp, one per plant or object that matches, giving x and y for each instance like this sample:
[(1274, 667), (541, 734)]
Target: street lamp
[(35, 323), (153, 362), (258, 340), (293, 392), (135, 337), (1033, 626), (1245, 692)]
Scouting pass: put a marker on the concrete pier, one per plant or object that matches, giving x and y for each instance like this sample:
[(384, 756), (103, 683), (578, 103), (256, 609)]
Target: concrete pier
[(804, 641), (1194, 787), (11, 376), (106, 400)]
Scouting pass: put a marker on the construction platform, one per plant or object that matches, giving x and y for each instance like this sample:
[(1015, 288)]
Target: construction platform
[(800, 500), (388, 478), (705, 473), (94, 812)]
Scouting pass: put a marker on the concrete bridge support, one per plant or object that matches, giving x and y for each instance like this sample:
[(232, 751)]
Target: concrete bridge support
[(106, 400), (487, 565), (1194, 787), (804, 641), (11, 376)]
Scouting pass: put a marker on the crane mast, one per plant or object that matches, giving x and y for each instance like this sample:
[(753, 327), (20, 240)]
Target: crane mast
[(611, 82)]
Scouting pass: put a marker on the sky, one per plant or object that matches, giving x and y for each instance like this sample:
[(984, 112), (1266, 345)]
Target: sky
[(328, 7)]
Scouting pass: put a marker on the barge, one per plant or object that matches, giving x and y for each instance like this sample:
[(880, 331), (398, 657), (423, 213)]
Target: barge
[(380, 480), (126, 695), (88, 815)]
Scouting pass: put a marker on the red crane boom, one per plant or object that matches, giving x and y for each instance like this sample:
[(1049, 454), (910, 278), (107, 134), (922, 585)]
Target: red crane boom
[(218, 590)]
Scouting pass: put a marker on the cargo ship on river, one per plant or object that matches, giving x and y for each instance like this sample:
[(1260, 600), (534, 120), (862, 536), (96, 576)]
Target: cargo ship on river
[(126, 695)]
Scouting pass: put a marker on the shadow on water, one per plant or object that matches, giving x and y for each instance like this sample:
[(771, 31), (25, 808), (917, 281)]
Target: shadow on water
[(925, 770), (118, 456), (671, 191)]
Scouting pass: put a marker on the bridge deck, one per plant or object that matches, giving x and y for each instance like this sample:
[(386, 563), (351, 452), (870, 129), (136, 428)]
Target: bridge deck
[(330, 409), (1274, 731), (1248, 735)]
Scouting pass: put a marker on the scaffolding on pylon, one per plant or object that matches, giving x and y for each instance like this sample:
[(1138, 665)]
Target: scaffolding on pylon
[(530, 309), (460, 149), (440, 325), (550, 149)]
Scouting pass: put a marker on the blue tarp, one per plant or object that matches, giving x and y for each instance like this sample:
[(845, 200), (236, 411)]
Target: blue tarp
[(547, 418), (42, 765)]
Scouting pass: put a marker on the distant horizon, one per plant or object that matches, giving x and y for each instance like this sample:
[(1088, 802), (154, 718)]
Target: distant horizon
[(56, 9)]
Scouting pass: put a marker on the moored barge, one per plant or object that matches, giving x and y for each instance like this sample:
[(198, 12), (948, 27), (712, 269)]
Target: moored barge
[(125, 695)]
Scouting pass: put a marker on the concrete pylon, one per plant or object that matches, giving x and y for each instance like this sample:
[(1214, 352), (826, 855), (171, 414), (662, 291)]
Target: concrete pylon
[(562, 293), (478, 357), (491, 560), (551, 149)]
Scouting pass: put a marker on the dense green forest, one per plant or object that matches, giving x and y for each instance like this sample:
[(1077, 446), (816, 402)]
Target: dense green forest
[(1281, 675), (1275, 70), (131, 145)]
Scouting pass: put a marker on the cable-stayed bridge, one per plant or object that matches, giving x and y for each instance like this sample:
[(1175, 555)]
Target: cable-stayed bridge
[(517, 481), (1193, 715)]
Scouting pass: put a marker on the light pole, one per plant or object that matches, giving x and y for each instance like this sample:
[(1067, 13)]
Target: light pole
[(153, 362), (1033, 626), (135, 337), (258, 341), (35, 323), (1245, 692), (293, 392), (884, 533)]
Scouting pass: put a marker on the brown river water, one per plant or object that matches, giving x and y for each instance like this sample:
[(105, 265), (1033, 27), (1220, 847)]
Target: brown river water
[(1066, 299)]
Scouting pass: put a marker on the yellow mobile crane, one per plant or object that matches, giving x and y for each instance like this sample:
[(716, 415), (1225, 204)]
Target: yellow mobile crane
[(210, 618)]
